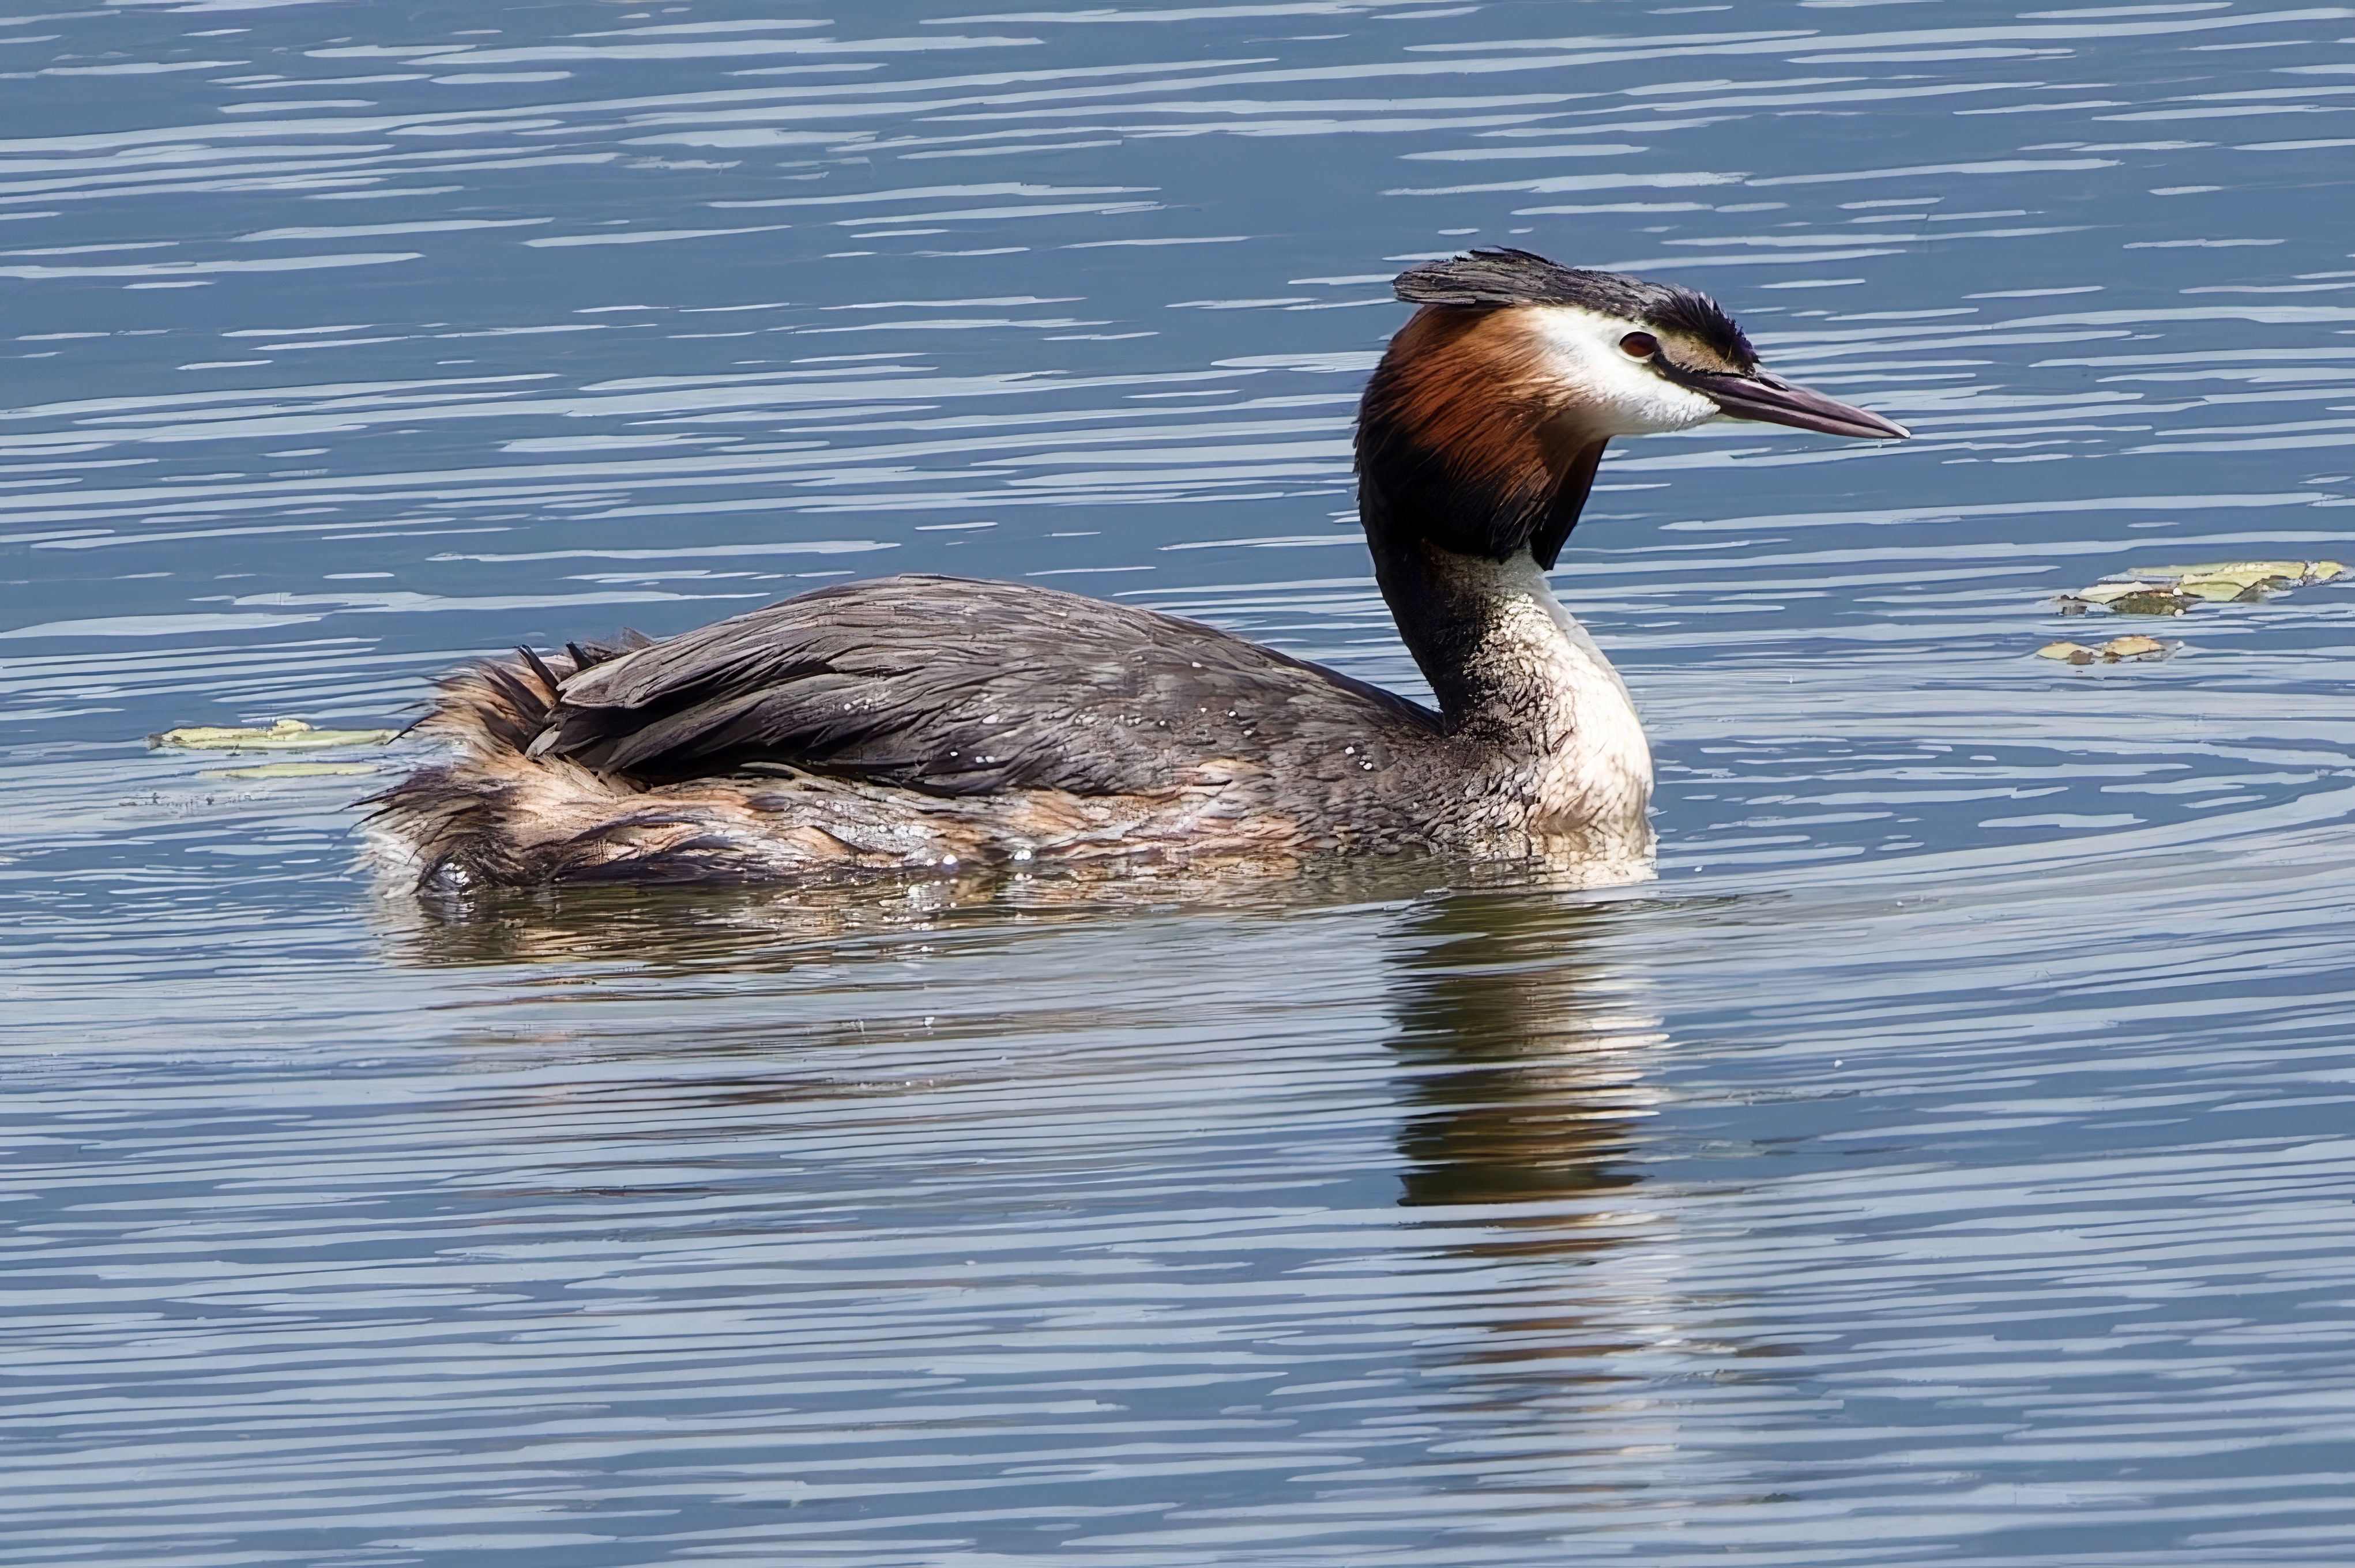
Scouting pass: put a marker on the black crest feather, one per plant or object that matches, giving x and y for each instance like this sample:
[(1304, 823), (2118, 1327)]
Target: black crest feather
[(1497, 277)]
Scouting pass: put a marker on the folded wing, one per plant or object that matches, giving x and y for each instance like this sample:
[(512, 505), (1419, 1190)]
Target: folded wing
[(962, 687)]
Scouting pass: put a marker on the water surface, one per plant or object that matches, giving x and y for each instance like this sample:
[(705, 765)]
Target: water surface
[(1945, 1162)]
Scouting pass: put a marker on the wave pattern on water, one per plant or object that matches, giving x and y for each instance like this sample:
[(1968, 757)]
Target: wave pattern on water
[(1453, 1247), (1944, 1163)]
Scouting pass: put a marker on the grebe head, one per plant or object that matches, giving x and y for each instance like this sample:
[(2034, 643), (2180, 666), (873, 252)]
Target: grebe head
[(1482, 428)]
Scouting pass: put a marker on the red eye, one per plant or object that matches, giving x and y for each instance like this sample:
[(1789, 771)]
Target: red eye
[(1639, 344)]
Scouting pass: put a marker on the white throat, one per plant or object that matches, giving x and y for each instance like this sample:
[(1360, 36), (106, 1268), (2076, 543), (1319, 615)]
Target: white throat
[(1554, 715)]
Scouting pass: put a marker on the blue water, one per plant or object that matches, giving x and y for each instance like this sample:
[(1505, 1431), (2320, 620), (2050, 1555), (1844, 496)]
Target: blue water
[(1945, 1162)]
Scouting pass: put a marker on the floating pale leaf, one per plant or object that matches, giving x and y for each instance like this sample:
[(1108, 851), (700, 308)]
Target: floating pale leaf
[(2241, 571), (2228, 590), (290, 770), (2172, 590), (285, 734), (2117, 650), (2102, 593), (2129, 599)]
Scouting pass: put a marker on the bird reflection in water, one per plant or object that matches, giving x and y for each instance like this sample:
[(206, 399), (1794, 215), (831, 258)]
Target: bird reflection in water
[(746, 925), (1522, 1051), (1525, 1059), (655, 930), (757, 926), (1526, 1052)]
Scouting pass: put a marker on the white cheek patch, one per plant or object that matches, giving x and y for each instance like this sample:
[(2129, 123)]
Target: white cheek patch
[(1617, 393)]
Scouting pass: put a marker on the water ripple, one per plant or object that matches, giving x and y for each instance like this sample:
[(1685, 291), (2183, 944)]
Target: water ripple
[(1973, 1077)]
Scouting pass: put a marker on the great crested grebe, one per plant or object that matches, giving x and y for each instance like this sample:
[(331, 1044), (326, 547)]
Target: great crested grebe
[(920, 721)]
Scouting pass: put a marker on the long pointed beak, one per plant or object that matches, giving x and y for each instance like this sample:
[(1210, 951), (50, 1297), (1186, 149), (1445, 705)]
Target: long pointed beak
[(1767, 398)]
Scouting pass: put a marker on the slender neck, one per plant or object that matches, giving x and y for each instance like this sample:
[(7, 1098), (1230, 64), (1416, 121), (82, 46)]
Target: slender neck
[(1501, 654), (1531, 705)]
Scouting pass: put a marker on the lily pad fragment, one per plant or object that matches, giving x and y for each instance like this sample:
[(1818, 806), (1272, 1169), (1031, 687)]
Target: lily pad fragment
[(2117, 651), (2292, 572), (290, 770), (2172, 590), (285, 734), (2129, 599)]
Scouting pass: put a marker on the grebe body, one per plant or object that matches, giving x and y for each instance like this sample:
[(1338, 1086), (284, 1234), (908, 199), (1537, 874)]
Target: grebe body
[(918, 722)]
